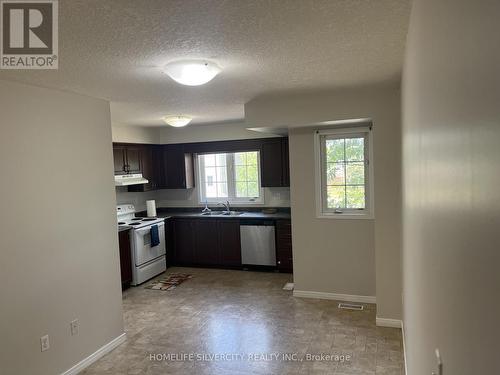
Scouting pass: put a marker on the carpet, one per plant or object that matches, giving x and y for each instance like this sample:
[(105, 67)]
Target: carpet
[(169, 283)]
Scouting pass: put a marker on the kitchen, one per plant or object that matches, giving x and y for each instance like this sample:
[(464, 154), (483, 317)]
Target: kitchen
[(249, 187), (246, 234)]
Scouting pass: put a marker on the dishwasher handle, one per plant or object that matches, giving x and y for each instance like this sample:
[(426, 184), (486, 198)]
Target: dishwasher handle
[(257, 222)]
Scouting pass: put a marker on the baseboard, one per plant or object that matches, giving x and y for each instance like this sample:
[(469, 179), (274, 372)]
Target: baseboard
[(86, 362), (334, 296), (404, 345), (383, 322)]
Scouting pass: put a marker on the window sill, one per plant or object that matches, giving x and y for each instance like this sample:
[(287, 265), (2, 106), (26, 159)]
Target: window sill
[(346, 216)]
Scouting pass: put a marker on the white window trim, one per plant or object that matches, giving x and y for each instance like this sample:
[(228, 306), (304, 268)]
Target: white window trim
[(369, 212), (245, 201)]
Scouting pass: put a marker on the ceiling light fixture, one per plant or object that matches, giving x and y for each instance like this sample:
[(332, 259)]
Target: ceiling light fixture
[(177, 121), (191, 72)]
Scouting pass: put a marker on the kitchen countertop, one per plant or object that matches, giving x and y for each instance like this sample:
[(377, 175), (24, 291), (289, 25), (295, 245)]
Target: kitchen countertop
[(248, 213), (244, 215)]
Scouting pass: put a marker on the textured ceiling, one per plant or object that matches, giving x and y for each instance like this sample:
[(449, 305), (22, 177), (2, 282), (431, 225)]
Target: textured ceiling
[(114, 49)]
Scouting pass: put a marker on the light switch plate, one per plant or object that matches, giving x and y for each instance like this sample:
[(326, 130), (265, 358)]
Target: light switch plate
[(74, 326), (44, 343)]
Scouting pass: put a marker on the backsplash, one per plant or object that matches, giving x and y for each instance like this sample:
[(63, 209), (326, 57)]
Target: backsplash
[(273, 197)]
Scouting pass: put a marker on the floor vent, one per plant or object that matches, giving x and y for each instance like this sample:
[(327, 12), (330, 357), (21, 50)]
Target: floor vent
[(350, 306)]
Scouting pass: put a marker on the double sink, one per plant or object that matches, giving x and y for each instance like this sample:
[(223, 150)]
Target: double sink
[(222, 213)]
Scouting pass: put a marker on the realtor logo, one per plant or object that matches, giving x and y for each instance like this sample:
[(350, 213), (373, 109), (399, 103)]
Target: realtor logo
[(29, 34)]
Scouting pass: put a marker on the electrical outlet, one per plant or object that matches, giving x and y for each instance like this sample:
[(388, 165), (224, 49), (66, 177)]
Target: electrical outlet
[(44, 343), (75, 326)]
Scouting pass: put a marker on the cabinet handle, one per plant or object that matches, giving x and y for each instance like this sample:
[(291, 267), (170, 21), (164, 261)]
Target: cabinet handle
[(279, 261)]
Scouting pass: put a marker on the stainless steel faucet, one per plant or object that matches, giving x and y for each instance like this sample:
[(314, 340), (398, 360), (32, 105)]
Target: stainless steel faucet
[(226, 205)]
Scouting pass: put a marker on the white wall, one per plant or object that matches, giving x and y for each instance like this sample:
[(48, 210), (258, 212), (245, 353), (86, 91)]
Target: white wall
[(451, 182), (326, 249), (59, 247), (135, 134)]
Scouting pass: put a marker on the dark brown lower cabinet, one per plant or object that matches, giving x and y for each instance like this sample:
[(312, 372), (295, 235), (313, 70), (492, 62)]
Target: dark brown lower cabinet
[(125, 258), (206, 250), (284, 256), (229, 242), (216, 242), (184, 242), (206, 242)]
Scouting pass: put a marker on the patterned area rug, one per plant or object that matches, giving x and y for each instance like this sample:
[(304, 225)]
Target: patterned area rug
[(170, 282)]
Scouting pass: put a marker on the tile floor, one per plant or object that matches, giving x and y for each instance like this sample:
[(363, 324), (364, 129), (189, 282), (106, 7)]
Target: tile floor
[(235, 313)]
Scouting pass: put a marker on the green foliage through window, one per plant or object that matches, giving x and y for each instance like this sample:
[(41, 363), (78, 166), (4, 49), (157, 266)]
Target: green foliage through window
[(345, 172), (229, 176)]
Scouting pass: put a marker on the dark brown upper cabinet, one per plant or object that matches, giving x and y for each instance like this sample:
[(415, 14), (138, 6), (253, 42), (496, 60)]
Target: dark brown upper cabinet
[(151, 156), (178, 168), (274, 163), (286, 161), (119, 156), (172, 166), (127, 158)]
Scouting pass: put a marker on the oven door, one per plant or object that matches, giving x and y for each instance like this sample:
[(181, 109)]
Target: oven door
[(143, 252)]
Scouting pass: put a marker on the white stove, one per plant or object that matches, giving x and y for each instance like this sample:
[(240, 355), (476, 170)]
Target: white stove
[(125, 215), (148, 259)]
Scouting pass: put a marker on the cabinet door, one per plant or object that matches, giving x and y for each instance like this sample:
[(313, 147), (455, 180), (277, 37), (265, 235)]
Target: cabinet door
[(271, 163), (125, 258), (286, 162), (183, 241), (178, 168), (133, 159), (147, 167), (207, 243), (158, 168), (174, 167), (147, 170), (284, 255), (119, 155), (229, 242)]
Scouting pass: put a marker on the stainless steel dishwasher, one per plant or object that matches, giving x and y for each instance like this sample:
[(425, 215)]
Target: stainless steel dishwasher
[(258, 242)]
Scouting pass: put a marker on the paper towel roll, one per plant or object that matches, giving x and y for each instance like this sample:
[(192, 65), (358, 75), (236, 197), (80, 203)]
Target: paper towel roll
[(151, 208)]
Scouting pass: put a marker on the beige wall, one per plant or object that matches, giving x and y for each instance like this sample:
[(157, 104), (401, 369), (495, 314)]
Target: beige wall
[(59, 242), (135, 134), (339, 256), (451, 181), (332, 256), (209, 132), (274, 197)]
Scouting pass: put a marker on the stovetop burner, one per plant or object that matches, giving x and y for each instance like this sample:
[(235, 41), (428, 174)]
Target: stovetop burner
[(150, 219), (121, 223), (137, 219), (135, 224)]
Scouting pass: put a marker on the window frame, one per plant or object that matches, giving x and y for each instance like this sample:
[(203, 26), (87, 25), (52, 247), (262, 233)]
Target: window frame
[(320, 173), (231, 181)]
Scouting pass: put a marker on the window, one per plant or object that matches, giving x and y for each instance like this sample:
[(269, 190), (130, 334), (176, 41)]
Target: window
[(230, 176), (344, 175)]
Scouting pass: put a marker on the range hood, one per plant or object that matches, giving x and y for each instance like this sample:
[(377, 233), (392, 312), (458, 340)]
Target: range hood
[(130, 179)]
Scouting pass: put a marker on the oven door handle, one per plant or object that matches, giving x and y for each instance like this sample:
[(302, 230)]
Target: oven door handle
[(147, 229)]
